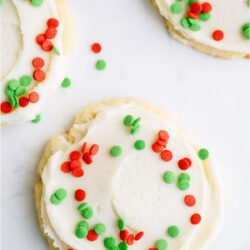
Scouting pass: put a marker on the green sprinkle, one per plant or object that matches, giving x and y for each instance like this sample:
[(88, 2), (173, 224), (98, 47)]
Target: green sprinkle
[(203, 154), (37, 119), (19, 91), (87, 213), (183, 185), (248, 2), (161, 244), (140, 144), (116, 151), (192, 21), (54, 200), (61, 194), (100, 64), (8, 91), (169, 177), (1, 2), (246, 30), (204, 16), (195, 27), (109, 242), (173, 231), (135, 130), (121, 224), (185, 23), (128, 120), (25, 80), (81, 232), (136, 122), (13, 84), (84, 224), (184, 176), (192, 1), (13, 101), (123, 246), (37, 3), (66, 82), (82, 206), (176, 8), (99, 229), (56, 51)]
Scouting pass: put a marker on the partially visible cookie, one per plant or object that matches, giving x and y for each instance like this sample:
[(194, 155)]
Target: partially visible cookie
[(219, 28), (125, 177), (36, 35)]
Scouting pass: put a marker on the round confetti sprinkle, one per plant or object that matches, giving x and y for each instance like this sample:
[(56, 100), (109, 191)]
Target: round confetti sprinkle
[(77, 172), (206, 7), (139, 235), (195, 27), (183, 185), (52, 22), (121, 224), (40, 39), (87, 158), (184, 176), (124, 235), (38, 62), (94, 149), (123, 246), (13, 101), (136, 122), (192, 1), (157, 148), (246, 30), (34, 97), (116, 151), (130, 239), (82, 206), (100, 229), (6, 107), (87, 213), (19, 91), (54, 200), (204, 16), (13, 84), (80, 194), (109, 242), (92, 236), (81, 232), (100, 64), (96, 48), (183, 164), (66, 82), (135, 130), (24, 101), (65, 167), (140, 145), (185, 23), (163, 135), (161, 244), (39, 75), (128, 120), (61, 194), (176, 8), (189, 200), (203, 154), (8, 91), (193, 15), (37, 3), (218, 35), (37, 119), (75, 155), (25, 80), (169, 177), (166, 155), (196, 7), (195, 219), (173, 231), (47, 45), (75, 164), (84, 223), (50, 32)]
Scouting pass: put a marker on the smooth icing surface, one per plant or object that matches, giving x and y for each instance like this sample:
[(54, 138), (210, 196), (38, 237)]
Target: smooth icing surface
[(21, 22), (131, 186), (227, 15)]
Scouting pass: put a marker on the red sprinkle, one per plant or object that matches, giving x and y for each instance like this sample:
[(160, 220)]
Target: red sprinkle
[(84, 145), (163, 135), (193, 15), (124, 235), (189, 161), (183, 164), (77, 172), (153, 248), (24, 101), (92, 236), (74, 155), (34, 97), (80, 194), (166, 155), (130, 239), (162, 143), (157, 148), (139, 235), (218, 35), (65, 167), (94, 149), (195, 219), (40, 39), (206, 7), (52, 22), (96, 47), (75, 164), (47, 46), (38, 62), (189, 200), (87, 158), (5, 107), (195, 7), (50, 33), (39, 75)]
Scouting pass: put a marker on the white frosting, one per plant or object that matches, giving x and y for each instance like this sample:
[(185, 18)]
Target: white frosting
[(131, 185), (20, 24), (227, 15)]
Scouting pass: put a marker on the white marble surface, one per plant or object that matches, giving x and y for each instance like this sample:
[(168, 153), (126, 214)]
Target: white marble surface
[(209, 97)]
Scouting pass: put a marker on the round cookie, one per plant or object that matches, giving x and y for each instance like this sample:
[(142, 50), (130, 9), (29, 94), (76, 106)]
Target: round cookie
[(219, 28), (35, 40), (125, 177)]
